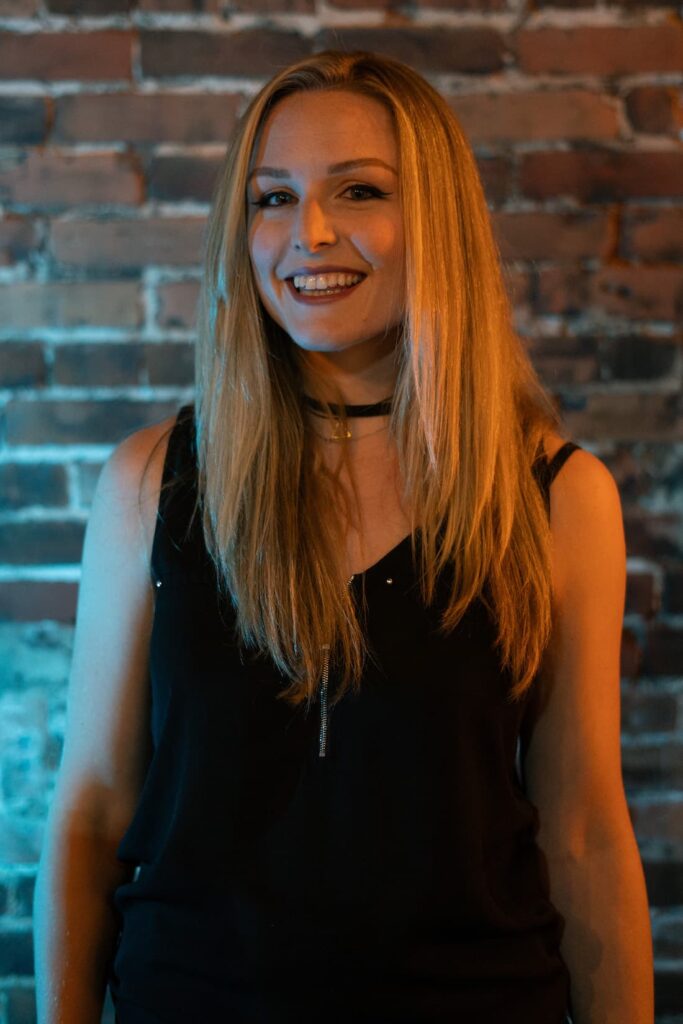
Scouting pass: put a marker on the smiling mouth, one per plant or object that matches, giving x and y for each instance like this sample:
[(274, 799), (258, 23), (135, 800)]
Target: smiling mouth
[(319, 296)]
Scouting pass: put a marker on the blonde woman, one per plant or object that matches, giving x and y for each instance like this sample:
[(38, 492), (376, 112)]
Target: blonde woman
[(343, 732)]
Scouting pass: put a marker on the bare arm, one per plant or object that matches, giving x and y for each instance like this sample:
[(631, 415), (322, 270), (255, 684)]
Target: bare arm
[(106, 747), (573, 766)]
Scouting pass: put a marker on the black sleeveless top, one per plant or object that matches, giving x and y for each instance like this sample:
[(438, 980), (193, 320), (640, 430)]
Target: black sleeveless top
[(394, 879)]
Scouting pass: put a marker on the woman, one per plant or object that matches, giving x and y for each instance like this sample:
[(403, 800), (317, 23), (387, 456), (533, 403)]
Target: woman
[(343, 736)]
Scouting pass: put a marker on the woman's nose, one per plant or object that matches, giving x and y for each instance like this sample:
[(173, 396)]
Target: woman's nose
[(312, 225)]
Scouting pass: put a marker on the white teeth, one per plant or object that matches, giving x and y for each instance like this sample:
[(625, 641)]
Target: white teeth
[(321, 282)]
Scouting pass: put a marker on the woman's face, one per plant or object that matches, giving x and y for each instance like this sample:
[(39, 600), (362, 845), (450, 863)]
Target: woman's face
[(310, 215)]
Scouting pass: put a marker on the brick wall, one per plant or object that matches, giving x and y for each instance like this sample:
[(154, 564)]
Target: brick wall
[(113, 118)]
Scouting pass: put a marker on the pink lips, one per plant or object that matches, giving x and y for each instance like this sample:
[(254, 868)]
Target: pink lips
[(314, 299)]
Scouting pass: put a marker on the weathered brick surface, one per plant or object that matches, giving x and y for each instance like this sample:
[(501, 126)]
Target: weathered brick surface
[(89, 7), (126, 244), (22, 364), (113, 119), (124, 364), (41, 543), (559, 236), (92, 365), (170, 364), (655, 109), (648, 711), (601, 49), (178, 304), (154, 117), (21, 1004), (652, 234), (33, 483), (60, 56), (16, 951), (175, 178), (247, 52), (23, 119), (496, 174), (70, 304), (570, 114), (104, 421), (653, 293), (664, 880), (601, 176), (54, 179), (428, 50), (18, 238)]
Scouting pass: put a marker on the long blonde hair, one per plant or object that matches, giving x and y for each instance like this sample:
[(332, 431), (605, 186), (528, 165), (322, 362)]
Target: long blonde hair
[(468, 418)]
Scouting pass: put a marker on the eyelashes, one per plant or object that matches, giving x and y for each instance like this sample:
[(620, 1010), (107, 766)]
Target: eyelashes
[(375, 193)]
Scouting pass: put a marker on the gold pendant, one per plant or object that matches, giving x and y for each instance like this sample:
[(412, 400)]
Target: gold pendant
[(339, 433)]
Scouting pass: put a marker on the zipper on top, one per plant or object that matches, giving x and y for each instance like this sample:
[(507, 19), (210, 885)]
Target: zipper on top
[(322, 742)]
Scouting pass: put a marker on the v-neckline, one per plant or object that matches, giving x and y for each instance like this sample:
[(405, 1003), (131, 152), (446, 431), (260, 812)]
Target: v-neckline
[(380, 561)]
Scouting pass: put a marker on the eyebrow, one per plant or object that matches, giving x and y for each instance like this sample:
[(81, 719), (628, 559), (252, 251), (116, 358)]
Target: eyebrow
[(345, 165)]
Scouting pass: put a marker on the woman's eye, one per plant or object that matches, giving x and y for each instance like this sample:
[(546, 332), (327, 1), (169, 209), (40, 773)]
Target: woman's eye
[(373, 193)]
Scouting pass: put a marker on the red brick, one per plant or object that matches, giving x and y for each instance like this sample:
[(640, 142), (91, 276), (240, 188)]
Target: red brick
[(62, 56), (496, 174), (640, 358), (178, 304), (18, 8), (170, 363), (427, 49), (17, 239), (38, 600), (571, 114), (183, 177), (653, 293), (601, 175), (653, 233), (110, 365), (23, 119), (458, 5), (632, 416), (155, 117), (41, 543), (594, 3), (565, 361), (659, 821), (672, 593), (655, 109), (290, 6), (91, 7), (70, 304), (601, 49), (538, 235), (126, 244), (100, 421), (646, 711), (22, 365), (115, 364), (636, 292), (518, 286), (182, 6), (51, 179), (562, 290), (247, 52), (664, 880), (654, 764), (33, 483)]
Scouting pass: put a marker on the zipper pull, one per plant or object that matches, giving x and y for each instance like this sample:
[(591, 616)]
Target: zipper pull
[(322, 745), (322, 742)]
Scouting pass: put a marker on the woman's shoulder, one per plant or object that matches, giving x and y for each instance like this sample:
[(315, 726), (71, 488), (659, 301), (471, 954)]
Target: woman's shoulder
[(134, 470)]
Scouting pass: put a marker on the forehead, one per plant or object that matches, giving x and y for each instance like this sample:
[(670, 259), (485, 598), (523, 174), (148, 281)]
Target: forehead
[(325, 124)]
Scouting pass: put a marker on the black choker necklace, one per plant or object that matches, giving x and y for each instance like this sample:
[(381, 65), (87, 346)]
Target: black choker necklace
[(382, 408)]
